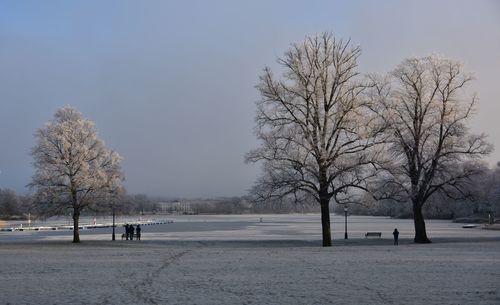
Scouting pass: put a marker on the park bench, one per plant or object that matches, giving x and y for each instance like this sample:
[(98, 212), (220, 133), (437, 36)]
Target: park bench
[(123, 236), (379, 234)]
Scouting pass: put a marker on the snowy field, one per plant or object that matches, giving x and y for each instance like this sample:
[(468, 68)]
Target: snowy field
[(240, 260)]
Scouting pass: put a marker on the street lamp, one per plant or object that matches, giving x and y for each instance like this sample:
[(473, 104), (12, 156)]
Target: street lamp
[(113, 235), (345, 230)]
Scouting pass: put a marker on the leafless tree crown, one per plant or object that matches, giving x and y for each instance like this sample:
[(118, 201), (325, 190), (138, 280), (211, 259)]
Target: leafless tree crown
[(426, 109), (314, 126)]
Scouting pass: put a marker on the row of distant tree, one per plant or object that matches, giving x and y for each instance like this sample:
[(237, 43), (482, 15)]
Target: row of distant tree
[(482, 197), (15, 206), (245, 205)]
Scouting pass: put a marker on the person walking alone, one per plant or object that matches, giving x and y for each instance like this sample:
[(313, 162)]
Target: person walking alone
[(396, 236)]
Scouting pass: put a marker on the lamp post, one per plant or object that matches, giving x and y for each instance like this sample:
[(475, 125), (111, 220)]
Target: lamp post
[(113, 235), (345, 230)]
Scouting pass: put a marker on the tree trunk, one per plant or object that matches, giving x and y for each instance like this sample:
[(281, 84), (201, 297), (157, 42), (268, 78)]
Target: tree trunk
[(418, 219), (325, 222), (76, 231)]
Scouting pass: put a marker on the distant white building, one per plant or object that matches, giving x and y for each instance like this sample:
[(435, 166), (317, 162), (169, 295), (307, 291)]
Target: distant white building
[(176, 207)]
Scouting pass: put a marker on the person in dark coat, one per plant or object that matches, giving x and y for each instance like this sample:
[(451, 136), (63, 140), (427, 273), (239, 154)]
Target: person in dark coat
[(125, 226), (138, 232), (131, 232), (127, 231), (396, 236)]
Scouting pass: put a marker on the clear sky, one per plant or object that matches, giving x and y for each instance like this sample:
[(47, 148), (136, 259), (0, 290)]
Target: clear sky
[(170, 84)]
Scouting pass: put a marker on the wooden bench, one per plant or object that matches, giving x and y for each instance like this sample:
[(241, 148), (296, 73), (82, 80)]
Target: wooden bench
[(379, 234), (135, 236)]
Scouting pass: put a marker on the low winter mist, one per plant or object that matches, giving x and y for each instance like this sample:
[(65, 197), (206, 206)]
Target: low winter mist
[(171, 85)]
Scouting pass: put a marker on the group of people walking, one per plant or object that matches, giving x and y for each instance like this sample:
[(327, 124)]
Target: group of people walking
[(130, 230)]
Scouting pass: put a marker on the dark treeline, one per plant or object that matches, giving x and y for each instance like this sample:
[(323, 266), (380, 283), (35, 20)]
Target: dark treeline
[(482, 197), (14, 206), (244, 205), (223, 205), (17, 207)]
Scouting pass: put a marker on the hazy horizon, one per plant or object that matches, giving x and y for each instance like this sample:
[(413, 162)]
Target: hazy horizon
[(171, 84)]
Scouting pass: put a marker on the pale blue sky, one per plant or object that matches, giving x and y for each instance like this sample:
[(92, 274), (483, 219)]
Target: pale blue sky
[(170, 84)]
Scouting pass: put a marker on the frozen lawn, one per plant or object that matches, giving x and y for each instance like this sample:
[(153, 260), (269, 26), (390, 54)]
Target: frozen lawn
[(250, 272), (240, 260)]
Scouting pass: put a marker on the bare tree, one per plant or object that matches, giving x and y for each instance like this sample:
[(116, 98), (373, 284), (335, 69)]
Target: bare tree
[(10, 204), (426, 112), (313, 125), (73, 168)]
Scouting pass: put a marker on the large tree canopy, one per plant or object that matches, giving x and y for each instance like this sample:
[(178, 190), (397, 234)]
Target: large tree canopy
[(315, 128), (426, 110), (73, 168)]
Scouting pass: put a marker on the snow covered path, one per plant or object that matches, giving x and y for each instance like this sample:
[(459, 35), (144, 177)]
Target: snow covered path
[(250, 272)]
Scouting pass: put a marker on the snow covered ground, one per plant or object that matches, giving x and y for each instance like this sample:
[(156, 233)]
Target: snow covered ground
[(306, 227), (240, 260)]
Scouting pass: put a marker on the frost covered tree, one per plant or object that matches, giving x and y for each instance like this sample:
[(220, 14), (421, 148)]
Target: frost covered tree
[(315, 128), (74, 170), (426, 109)]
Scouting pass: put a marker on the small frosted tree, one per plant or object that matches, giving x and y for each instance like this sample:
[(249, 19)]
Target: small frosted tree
[(317, 131), (74, 170), (429, 146)]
